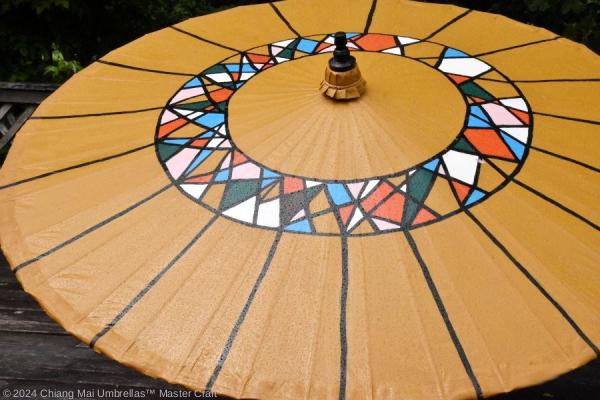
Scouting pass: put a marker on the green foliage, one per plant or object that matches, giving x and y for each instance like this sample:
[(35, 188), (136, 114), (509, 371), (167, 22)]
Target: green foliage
[(49, 40)]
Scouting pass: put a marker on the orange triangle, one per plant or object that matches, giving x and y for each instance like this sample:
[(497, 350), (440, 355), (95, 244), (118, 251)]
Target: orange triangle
[(345, 213), (423, 215), (460, 189), (523, 116), (458, 78)]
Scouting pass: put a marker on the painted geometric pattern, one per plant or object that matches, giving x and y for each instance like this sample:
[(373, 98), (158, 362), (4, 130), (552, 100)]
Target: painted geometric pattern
[(196, 150)]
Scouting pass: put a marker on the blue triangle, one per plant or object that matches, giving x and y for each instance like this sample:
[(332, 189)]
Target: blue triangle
[(478, 112), (517, 147), (453, 53), (207, 134), (176, 141), (432, 165), (194, 82), (222, 176), (267, 182), (210, 119), (475, 196), (267, 173), (475, 122), (300, 226)]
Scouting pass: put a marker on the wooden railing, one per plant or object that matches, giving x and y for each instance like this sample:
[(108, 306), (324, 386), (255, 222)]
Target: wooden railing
[(18, 100)]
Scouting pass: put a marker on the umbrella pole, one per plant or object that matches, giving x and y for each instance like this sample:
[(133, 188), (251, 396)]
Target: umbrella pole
[(343, 80)]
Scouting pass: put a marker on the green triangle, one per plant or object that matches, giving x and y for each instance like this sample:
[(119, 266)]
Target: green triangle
[(165, 151), (463, 145), (410, 211), (419, 183), (472, 89), (201, 105), (238, 191)]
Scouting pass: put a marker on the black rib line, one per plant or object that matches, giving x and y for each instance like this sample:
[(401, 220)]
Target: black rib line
[(550, 153), (543, 80), (538, 286), (85, 164), (442, 309), (243, 313), (156, 71), (91, 229), (103, 114), (587, 121), (447, 24), (544, 197), (203, 39), (370, 16), (284, 20), (152, 282), (557, 204), (516, 46), (343, 306)]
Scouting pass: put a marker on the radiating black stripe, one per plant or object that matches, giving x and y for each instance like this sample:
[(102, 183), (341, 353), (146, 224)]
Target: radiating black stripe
[(156, 71), (152, 282), (580, 163), (370, 16), (102, 114), (534, 281), (343, 306), (442, 309), (203, 39), (544, 197), (284, 19), (587, 121), (516, 46), (447, 24), (91, 229), (84, 164), (556, 203), (243, 313)]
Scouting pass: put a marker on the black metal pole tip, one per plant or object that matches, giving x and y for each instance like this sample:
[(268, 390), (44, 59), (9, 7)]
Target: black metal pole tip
[(341, 60)]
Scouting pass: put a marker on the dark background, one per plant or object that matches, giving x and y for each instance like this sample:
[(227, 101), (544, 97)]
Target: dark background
[(49, 40)]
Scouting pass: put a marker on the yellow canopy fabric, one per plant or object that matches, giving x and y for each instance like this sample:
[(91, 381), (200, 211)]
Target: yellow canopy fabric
[(192, 206)]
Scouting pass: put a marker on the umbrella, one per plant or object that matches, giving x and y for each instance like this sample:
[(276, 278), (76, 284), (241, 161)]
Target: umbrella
[(206, 205)]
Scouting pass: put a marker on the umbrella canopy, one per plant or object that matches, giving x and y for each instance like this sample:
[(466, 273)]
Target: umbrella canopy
[(193, 206)]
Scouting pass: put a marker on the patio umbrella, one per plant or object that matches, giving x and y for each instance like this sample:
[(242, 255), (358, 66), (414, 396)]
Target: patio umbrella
[(203, 205)]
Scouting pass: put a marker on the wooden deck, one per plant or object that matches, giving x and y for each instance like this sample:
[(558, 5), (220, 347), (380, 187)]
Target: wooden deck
[(37, 354)]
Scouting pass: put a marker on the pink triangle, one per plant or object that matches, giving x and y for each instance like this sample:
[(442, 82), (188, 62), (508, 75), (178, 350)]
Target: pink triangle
[(384, 225), (355, 188)]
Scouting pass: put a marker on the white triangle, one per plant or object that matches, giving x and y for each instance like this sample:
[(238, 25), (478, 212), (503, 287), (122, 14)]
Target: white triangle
[(183, 111), (268, 214), (393, 50), (243, 211), (406, 40), (281, 59), (370, 186), (194, 190), (356, 218), (214, 143), (516, 103), (461, 166), (283, 43), (521, 134), (220, 77), (310, 184)]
